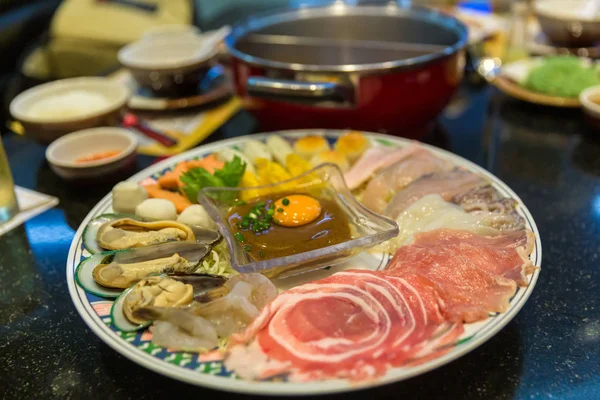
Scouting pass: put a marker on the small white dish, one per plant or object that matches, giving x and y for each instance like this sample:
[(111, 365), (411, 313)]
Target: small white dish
[(172, 64), (53, 109), (63, 153), (573, 23)]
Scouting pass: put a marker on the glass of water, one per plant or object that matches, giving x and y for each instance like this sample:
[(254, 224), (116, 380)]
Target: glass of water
[(8, 201)]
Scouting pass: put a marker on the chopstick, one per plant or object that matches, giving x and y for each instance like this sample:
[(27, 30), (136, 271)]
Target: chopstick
[(317, 41)]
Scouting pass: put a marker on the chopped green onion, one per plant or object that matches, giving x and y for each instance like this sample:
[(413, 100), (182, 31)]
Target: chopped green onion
[(240, 237), (261, 254), (244, 224), (280, 209), (247, 247), (285, 201), (252, 216)]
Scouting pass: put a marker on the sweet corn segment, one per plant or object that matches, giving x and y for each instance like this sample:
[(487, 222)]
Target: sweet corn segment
[(296, 165), (249, 180)]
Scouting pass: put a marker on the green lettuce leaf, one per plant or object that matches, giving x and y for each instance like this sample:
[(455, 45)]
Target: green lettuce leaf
[(198, 178)]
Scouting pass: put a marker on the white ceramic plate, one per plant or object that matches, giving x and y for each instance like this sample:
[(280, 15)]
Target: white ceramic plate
[(207, 370)]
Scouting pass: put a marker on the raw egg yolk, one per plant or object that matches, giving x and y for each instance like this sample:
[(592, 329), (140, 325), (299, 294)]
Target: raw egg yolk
[(296, 210)]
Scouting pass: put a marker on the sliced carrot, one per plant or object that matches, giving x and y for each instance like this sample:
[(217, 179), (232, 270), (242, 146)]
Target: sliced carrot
[(170, 180), (210, 163), (181, 202)]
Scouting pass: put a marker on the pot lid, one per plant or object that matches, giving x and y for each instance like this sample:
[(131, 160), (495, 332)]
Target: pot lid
[(342, 38)]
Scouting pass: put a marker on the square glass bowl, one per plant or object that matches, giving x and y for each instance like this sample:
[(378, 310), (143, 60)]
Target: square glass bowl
[(325, 181)]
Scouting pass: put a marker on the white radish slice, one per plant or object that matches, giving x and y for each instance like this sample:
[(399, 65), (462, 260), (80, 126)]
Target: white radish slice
[(253, 150), (279, 148), (85, 278), (228, 155)]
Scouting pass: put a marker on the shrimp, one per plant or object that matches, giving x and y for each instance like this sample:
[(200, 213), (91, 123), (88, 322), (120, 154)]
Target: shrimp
[(246, 295), (179, 329), (225, 311), (262, 293)]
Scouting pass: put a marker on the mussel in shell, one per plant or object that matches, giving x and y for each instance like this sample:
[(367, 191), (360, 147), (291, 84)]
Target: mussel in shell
[(167, 291), (229, 309), (124, 268), (127, 233)]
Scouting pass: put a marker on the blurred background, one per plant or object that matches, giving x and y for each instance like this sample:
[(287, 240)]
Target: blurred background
[(47, 40)]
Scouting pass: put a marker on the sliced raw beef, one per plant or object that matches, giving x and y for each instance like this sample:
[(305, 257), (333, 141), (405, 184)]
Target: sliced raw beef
[(353, 325), (475, 275), (390, 180), (373, 160), (447, 184)]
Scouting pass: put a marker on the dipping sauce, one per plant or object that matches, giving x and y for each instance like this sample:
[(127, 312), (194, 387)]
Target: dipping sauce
[(307, 223), (97, 156)]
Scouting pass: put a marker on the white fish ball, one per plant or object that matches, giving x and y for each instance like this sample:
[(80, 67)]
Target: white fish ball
[(126, 196), (157, 209), (196, 215)]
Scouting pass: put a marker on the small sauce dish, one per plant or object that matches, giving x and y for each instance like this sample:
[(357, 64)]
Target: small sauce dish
[(92, 153)]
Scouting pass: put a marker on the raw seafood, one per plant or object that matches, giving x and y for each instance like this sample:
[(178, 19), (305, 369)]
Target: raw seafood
[(392, 179), (127, 233), (500, 211), (353, 324), (166, 291), (178, 329), (431, 212), (475, 275), (156, 291), (447, 184), (237, 304), (122, 269), (373, 160)]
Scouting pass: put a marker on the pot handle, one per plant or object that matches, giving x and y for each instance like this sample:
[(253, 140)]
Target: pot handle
[(299, 92)]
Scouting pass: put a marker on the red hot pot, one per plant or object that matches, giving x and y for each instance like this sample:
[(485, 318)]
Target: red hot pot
[(385, 69)]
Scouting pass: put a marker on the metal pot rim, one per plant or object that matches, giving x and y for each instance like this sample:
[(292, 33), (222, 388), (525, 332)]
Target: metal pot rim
[(265, 19)]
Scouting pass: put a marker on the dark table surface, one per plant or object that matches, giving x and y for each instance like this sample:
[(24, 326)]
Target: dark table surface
[(550, 350)]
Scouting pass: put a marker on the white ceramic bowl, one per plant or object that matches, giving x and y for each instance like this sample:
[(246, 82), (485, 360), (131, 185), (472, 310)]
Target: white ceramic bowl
[(590, 107), (63, 153), (111, 97), (570, 23), (169, 64)]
